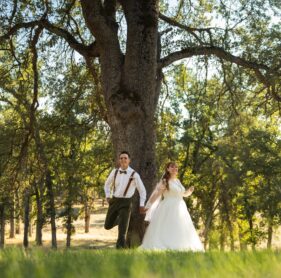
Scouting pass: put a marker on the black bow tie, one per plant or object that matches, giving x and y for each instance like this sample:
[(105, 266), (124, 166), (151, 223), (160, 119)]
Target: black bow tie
[(122, 172)]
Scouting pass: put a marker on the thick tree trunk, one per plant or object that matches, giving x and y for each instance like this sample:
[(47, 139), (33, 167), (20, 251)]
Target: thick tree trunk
[(52, 209), (2, 225), (136, 135), (26, 217), (131, 85)]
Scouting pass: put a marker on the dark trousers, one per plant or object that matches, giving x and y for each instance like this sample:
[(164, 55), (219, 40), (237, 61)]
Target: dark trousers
[(119, 213)]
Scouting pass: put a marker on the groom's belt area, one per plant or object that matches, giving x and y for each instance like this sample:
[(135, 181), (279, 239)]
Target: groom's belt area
[(123, 201)]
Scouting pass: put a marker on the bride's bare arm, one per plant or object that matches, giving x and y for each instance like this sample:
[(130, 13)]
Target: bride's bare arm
[(188, 192)]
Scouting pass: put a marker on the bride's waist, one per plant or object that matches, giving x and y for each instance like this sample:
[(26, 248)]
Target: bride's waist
[(173, 197)]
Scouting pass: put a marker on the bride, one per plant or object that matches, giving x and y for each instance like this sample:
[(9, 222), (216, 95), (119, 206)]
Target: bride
[(170, 224)]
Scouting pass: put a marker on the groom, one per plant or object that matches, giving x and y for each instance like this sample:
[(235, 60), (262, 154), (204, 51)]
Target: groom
[(123, 182)]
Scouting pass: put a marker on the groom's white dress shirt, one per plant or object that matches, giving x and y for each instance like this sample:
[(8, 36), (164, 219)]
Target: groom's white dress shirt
[(121, 183)]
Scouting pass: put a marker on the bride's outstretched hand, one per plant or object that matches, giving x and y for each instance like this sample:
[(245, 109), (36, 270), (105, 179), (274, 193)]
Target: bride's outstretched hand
[(189, 191)]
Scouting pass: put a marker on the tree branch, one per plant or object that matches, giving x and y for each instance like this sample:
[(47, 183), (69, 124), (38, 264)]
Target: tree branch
[(15, 7), (85, 50), (190, 30), (266, 79), (35, 104), (100, 20), (213, 50), (17, 27)]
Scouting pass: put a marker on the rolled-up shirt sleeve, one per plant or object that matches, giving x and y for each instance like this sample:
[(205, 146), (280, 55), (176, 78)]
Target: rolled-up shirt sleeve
[(141, 189), (108, 183)]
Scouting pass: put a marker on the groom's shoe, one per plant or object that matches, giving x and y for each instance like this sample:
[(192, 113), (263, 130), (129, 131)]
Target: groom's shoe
[(121, 243)]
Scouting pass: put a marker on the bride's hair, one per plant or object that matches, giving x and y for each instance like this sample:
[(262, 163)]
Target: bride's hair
[(166, 176)]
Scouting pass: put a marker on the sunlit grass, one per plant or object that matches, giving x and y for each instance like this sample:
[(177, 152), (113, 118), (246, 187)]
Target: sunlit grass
[(16, 262)]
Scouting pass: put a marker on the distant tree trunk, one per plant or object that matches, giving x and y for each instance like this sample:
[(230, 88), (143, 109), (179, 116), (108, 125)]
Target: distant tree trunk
[(242, 243), (251, 228), (222, 234), (26, 217), (208, 225), (18, 222), (87, 212), (230, 229), (12, 219), (2, 225), (209, 212), (18, 210), (18, 213), (69, 212), (52, 209), (39, 216), (48, 180), (70, 194), (68, 227), (269, 232), (30, 228)]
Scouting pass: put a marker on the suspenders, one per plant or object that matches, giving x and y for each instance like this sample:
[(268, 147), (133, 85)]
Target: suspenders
[(115, 174), (128, 184)]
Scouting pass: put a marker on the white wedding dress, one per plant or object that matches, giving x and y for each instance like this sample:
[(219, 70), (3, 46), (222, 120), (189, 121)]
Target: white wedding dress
[(170, 227)]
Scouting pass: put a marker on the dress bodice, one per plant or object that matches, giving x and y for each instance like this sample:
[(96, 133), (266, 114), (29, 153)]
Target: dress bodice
[(176, 189)]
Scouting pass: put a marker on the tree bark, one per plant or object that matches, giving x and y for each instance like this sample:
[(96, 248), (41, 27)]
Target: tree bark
[(52, 209), (12, 219), (39, 216), (26, 217), (222, 235), (30, 228), (69, 209), (2, 225), (68, 227), (131, 86), (242, 243), (269, 232), (87, 212), (251, 228), (18, 214), (208, 225)]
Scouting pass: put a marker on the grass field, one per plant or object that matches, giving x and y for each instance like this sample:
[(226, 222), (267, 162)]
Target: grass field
[(16, 262)]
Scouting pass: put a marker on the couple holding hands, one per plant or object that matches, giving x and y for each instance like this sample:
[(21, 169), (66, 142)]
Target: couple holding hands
[(170, 225)]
